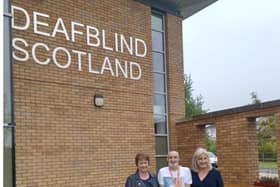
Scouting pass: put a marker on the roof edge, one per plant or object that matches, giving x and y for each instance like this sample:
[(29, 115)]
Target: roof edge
[(246, 108), (179, 8)]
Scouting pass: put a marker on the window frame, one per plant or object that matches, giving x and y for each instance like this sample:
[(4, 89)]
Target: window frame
[(164, 72)]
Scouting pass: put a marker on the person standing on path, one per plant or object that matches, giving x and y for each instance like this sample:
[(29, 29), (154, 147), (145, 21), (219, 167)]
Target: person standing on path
[(203, 174), (142, 177), (174, 175)]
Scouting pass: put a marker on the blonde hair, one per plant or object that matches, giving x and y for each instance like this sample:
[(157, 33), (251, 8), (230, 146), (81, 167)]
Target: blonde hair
[(199, 151)]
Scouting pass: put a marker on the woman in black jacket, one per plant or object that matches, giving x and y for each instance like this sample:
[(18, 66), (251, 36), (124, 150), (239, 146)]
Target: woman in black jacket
[(142, 177), (203, 174)]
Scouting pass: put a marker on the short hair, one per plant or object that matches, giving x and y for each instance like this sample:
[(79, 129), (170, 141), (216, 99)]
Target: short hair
[(174, 152), (199, 151), (141, 156)]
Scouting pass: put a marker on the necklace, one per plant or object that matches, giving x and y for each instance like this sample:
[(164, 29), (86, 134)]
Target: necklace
[(203, 174), (144, 176)]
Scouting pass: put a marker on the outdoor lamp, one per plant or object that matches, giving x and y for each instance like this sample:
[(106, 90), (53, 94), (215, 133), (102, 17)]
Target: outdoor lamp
[(98, 100)]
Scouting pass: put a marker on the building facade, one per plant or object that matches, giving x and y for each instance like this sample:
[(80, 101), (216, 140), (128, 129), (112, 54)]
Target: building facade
[(95, 82)]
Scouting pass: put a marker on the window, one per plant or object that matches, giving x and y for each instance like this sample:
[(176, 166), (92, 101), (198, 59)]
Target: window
[(159, 91)]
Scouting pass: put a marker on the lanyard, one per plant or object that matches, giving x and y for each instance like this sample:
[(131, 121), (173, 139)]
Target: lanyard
[(176, 180)]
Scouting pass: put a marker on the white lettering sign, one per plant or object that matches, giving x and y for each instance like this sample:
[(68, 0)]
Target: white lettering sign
[(92, 37)]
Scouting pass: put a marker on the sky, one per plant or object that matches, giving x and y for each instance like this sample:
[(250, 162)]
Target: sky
[(232, 48)]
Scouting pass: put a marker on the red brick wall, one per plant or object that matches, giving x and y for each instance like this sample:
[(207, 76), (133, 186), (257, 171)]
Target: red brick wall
[(175, 75), (62, 139), (237, 149), (189, 137), (236, 140)]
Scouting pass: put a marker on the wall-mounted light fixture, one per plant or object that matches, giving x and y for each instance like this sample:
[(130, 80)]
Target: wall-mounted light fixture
[(98, 100)]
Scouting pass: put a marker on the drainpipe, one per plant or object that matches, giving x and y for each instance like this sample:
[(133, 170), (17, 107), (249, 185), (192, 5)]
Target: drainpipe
[(9, 124)]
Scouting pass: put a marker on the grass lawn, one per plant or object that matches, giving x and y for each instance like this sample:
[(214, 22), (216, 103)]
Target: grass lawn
[(267, 165)]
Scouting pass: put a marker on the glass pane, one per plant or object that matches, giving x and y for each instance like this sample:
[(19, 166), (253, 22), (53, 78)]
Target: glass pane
[(158, 64), (157, 22), (161, 162), (157, 41), (159, 104), (160, 124), (161, 145), (8, 156), (159, 85)]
